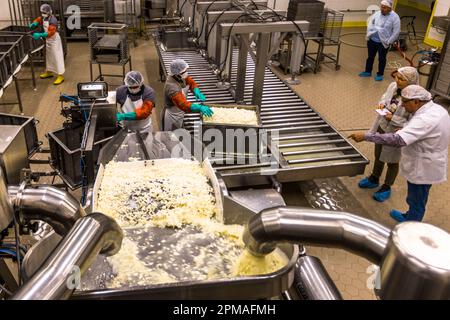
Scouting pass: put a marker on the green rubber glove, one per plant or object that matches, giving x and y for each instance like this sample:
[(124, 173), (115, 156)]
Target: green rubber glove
[(205, 110), (126, 116), (33, 25), (37, 35), (199, 95)]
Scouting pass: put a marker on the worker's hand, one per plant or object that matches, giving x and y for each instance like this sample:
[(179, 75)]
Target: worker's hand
[(358, 137), (120, 117), (388, 116), (381, 106), (38, 35), (204, 110), (198, 95), (33, 25)]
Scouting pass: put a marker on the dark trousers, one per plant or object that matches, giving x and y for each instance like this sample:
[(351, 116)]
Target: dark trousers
[(392, 168), (374, 48), (417, 200)]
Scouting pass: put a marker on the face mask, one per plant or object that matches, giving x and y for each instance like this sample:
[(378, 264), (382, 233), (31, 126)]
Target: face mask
[(185, 75), (45, 15), (134, 91)]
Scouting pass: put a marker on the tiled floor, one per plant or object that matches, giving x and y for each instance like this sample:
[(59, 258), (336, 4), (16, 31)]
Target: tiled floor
[(343, 98)]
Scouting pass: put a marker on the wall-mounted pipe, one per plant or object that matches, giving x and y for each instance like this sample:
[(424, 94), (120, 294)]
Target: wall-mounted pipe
[(55, 206), (91, 235), (317, 227)]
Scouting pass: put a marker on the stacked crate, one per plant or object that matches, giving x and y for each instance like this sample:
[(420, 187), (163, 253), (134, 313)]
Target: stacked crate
[(309, 10)]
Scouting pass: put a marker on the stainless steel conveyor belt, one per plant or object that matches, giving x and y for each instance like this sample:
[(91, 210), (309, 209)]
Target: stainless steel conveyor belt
[(305, 145)]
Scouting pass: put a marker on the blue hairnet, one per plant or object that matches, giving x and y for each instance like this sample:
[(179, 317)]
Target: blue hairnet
[(178, 66), (134, 78), (46, 8)]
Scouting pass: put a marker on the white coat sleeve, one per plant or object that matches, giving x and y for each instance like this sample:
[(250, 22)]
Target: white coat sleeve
[(395, 30)]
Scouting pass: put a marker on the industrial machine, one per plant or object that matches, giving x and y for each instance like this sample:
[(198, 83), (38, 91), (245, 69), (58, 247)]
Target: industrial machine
[(230, 61), (413, 257)]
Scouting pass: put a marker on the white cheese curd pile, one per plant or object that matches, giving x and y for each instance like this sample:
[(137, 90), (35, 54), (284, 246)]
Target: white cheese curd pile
[(176, 194), (233, 116), (169, 195)]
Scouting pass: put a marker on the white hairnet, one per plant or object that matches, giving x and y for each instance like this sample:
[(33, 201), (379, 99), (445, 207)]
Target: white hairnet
[(178, 66), (387, 3), (134, 78), (415, 92), (46, 8), (410, 74)]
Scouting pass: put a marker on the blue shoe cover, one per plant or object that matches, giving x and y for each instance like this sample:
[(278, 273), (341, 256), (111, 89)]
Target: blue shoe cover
[(366, 184), (365, 74), (382, 196), (398, 216)]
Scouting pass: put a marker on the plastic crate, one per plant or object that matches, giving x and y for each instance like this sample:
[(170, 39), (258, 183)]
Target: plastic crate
[(29, 127), (65, 152)]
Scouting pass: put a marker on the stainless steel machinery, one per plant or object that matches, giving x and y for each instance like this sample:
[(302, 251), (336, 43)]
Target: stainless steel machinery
[(413, 257)]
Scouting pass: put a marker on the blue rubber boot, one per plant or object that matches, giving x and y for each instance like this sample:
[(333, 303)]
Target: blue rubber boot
[(382, 195), (365, 74), (398, 216), (367, 184), (378, 78)]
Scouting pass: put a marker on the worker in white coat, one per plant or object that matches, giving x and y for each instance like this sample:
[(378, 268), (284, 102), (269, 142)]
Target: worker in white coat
[(137, 102), (392, 117), (54, 50), (424, 142)]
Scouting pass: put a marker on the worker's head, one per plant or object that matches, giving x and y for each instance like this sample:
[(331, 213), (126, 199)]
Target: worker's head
[(414, 97), (46, 10), (179, 68), (406, 76), (386, 7), (134, 80)]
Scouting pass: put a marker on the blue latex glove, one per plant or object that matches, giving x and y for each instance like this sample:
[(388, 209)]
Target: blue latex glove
[(37, 35), (33, 25), (205, 110), (126, 116), (199, 95)]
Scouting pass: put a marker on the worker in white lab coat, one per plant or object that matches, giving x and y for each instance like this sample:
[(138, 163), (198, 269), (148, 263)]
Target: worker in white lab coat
[(424, 141), (54, 55)]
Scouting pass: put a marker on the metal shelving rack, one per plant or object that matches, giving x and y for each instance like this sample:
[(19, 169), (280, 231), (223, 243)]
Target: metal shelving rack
[(441, 82)]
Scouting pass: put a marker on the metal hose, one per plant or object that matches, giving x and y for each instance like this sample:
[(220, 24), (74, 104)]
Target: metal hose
[(61, 273), (316, 227)]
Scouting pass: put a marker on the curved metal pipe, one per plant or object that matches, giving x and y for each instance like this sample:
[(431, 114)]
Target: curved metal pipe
[(55, 206), (312, 281), (91, 235), (316, 227)]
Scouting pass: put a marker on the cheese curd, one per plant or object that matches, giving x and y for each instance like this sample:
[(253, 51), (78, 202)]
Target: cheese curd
[(232, 116)]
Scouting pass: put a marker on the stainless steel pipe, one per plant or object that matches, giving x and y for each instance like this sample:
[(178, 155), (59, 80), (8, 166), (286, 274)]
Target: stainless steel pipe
[(317, 227), (312, 281), (54, 206), (91, 235)]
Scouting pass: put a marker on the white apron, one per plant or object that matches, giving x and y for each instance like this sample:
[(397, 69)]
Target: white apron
[(54, 52), (142, 126), (173, 117)]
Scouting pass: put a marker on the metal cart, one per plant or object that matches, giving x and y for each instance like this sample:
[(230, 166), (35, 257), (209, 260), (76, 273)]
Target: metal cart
[(329, 36), (109, 46)]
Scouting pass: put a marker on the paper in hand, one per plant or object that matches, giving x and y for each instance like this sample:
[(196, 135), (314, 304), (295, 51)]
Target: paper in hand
[(382, 112)]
